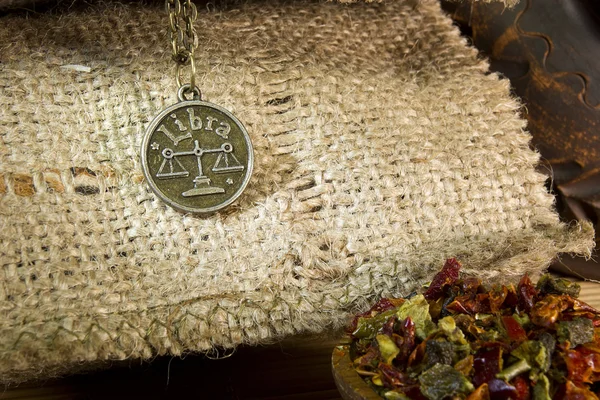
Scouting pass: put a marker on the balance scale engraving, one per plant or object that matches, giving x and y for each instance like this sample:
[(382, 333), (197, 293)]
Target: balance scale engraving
[(226, 163)]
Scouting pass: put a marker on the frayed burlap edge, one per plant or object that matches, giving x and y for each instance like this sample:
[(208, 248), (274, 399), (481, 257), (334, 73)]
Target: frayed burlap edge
[(507, 3), (174, 329)]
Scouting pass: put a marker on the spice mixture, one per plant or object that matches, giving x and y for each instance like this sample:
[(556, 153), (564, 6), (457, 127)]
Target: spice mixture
[(463, 340)]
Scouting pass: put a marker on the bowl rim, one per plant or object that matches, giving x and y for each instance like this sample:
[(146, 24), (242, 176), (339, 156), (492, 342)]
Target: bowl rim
[(350, 385)]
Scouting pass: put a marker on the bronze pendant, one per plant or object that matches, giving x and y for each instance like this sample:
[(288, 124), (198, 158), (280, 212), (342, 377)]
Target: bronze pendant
[(197, 157)]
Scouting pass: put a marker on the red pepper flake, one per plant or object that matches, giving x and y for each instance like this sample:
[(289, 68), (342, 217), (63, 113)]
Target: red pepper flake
[(417, 354), (469, 285), (548, 310), (512, 299), (406, 340), (521, 385), (574, 391), (526, 293), (582, 364), (486, 365), (464, 304), (447, 276), (571, 315), (496, 298), (483, 303), (514, 330), (392, 377), (367, 359), (388, 327), (413, 392), (579, 305)]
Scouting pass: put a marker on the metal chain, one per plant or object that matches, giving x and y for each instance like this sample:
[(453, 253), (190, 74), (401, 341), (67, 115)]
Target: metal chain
[(184, 40)]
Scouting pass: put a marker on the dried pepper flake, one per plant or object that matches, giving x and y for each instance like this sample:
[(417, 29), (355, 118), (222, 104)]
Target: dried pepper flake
[(391, 377), (417, 309), (487, 363), (576, 332), (441, 381), (547, 285), (582, 365), (573, 391), (514, 370), (465, 366), (448, 326), (496, 298), (465, 304), (541, 389), (534, 353), (514, 330), (406, 339), (367, 328), (546, 312), (387, 348), (382, 305), (393, 395), (447, 276), (463, 340), (439, 352), (481, 393), (526, 293), (369, 359), (521, 385)]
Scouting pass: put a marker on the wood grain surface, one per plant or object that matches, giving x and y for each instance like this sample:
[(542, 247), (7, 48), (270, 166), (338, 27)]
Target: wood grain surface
[(296, 369)]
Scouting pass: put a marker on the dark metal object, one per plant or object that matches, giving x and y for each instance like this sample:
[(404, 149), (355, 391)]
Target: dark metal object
[(196, 156), (549, 49)]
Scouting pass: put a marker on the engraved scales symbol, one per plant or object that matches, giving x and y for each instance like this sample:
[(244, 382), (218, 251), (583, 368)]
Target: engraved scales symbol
[(172, 168)]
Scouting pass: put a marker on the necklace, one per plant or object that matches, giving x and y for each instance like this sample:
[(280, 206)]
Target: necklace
[(196, 156)]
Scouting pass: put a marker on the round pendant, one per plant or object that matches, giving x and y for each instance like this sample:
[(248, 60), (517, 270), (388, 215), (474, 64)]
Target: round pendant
[(197, 157)]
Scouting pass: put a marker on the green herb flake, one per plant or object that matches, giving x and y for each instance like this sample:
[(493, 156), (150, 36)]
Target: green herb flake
[(534, 352), (448, 326), (549, 285), (417, 308), (549, 343), (387, 348), (576, 332), (441, 381), (490, 335), (439, 352), (367, 328), (541, 390), (392, 395), (522, 319), (513, 370)]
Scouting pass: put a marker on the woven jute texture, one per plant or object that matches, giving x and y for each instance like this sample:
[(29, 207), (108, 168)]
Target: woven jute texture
[(382, 147), (31, 4)]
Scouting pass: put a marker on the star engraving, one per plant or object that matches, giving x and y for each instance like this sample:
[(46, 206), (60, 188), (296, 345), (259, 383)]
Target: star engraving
[(155, 146), (229, 181)]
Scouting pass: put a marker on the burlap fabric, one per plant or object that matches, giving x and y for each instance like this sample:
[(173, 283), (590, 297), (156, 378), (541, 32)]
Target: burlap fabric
[(382, 146), (32, 4)]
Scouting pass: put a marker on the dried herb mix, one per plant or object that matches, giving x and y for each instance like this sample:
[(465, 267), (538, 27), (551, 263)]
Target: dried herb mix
[(462, 340)]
